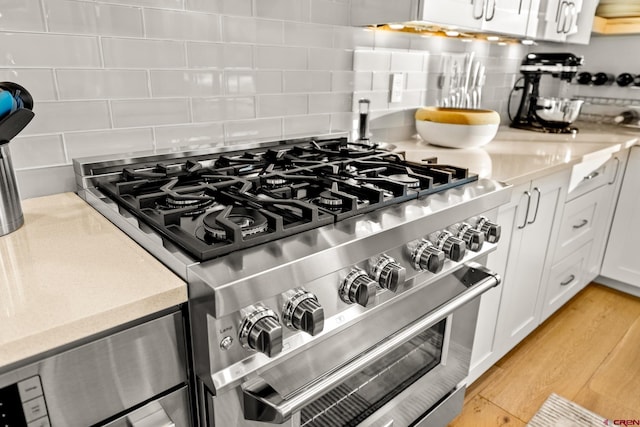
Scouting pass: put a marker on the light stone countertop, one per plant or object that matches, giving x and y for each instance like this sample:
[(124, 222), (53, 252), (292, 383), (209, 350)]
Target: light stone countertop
[(517, 156), (68, 273)]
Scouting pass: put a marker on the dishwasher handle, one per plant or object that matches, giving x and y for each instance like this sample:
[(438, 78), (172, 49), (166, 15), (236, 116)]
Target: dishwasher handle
[(262, 403)]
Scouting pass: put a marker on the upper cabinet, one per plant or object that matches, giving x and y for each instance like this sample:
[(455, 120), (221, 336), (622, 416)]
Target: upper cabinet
[(567, 21), (493, 16), (509, 17)]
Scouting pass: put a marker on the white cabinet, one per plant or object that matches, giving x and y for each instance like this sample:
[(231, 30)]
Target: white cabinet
[(621, 261), (491, 16), (567, 21), (511, 312), (582, 232), (536, 206)]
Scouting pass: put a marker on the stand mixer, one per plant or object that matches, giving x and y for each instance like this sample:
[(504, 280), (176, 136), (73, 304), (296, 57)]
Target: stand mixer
[(545, 114)]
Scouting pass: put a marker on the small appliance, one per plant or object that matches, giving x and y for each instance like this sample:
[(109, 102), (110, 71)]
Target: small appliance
[(545, 114)]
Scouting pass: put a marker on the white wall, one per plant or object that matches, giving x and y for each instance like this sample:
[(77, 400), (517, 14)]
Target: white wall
[(118, 76)]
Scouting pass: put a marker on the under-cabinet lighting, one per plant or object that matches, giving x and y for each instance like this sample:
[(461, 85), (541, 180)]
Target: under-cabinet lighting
[(493, 38), (451, 33)]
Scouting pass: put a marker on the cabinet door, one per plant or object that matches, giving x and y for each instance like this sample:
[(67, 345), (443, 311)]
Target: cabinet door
[(604, 215), (519, 307), (506, 16), (584, 23), (467, 14), (621, 257), (482, 354)]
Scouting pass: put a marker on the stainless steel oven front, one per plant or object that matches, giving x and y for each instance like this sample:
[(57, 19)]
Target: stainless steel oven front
[(402, 365)]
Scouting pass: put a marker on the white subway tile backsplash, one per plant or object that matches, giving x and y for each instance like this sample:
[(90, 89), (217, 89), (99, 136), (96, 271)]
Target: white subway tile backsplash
[(252, 130), (48, 50), (286, 10), (39, 82), (305, 34), (379, 101), (112, 141), (343, 81), (102, 84), (407, 61), (217, 109), (171, 83), (174, 25), (189, 135), (45, 181), (343, 122), (227, 7), (268, 81), (72, 16), (330, 103), (330, 59), (237, 56), (136, 53), (282, 105), (353, 37), (65, 116), (330, 12), (416, 81), (307, 125), (149, 112), (371, 60), (281, 58), (205, 55), (363, 80), (307, 81), (37, 151), (237, 29), (162, 4), (239, 82), (23, 15), (381, 81)]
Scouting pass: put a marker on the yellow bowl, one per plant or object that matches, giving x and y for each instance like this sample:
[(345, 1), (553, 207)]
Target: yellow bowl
[(455, 127)]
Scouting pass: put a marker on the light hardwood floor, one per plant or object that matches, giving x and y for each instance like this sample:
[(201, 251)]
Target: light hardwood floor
[(587, 352)]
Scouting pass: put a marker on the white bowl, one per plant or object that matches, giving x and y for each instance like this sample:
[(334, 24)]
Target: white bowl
[(456, 135)]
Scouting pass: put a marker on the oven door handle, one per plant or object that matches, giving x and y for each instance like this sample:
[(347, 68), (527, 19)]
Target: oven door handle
[(262, 403)]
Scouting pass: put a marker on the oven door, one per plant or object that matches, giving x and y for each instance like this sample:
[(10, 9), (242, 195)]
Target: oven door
[(415, 375)]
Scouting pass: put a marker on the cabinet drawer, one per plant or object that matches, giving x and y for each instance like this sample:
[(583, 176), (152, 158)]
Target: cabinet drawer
[(577, 225), (565, 280), (588, 176)]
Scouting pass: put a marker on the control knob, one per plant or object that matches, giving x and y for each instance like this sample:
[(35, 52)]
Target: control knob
[(303, 312), (426, 256), (358, 288), (473, 238), (261, 331), (453, 247), (388, 273), (490, 229)]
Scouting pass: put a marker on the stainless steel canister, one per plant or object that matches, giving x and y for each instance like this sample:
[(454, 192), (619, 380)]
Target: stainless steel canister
[(11, 217)]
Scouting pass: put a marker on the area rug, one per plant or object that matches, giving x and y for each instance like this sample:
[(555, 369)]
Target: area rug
[(560, 412)]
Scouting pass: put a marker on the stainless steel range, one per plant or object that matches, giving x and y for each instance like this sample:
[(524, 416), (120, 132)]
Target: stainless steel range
[(330, 283)]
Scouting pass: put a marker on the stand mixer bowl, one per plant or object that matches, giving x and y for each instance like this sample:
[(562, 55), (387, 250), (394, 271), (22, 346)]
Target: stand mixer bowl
[(557, 113)]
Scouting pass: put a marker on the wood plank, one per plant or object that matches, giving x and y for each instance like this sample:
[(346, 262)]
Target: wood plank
[(563, 354), (479, 412), (492, 374), (605, 406), (610, 26), (619, 376)]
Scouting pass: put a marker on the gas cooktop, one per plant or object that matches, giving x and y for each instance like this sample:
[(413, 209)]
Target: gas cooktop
[(213, 204)]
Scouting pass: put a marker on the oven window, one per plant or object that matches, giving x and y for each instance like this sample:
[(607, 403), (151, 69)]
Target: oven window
[(362, 394)]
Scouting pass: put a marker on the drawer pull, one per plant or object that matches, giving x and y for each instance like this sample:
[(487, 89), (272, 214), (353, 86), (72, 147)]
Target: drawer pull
[(582, 224), (591, 176), (569, 280), (526, 214), (535, 215), (615, 175)]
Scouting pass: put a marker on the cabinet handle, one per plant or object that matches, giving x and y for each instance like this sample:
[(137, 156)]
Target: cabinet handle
[(535, 214), (526, 214), (615, 175), (559, 16), (591, 176), (474, 3), (493, 11), (569, 280), (582, 224)]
